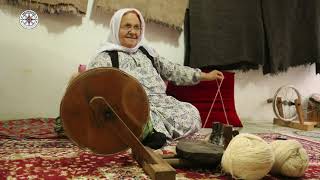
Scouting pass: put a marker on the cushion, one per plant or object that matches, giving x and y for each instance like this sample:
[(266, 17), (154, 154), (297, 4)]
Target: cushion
[(202, 95)]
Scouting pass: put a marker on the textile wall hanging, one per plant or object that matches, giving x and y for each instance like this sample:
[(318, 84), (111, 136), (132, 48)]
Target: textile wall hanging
[(224, 33), (242, 35), (76, 7), (292, 33), (166, 12)]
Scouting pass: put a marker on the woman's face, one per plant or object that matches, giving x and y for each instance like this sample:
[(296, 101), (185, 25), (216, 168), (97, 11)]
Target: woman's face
[(130, 30)]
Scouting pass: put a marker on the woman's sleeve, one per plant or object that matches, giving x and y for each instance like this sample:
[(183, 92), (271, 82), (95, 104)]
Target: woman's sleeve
[(101, 60), (178, 74)]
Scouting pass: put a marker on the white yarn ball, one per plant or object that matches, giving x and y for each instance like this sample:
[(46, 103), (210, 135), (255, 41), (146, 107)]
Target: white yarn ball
[(291, 159), (247, 157)]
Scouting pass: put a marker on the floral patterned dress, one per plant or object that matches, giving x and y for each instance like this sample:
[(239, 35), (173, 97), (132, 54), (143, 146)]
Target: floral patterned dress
[(168, 115)]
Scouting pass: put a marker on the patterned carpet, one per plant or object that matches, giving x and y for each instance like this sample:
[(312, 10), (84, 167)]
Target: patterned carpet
[(31, 149), (314, 135)]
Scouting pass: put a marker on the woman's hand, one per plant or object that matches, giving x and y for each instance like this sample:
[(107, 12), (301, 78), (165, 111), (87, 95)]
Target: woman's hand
[(215, 74)]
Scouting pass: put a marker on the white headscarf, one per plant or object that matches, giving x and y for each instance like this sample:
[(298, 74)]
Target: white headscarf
[(113, 42)]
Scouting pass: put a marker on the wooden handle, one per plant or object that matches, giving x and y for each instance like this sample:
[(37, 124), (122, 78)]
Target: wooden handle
[(152, 164)]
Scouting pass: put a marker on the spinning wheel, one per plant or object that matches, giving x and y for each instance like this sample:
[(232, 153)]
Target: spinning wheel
[(104, 110), (288, 109), (284, 103)]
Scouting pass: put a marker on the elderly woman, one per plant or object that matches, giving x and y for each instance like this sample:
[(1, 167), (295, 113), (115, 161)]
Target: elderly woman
[(173, 118)]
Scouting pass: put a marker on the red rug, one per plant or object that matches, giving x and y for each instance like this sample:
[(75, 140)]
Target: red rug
[(31, 149)]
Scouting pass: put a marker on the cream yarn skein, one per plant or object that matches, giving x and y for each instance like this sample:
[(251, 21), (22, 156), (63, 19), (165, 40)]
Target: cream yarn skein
[(247, 157), (291, 159)]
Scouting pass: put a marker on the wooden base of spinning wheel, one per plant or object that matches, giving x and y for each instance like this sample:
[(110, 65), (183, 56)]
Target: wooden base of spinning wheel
[(306, 126), (104, 110)]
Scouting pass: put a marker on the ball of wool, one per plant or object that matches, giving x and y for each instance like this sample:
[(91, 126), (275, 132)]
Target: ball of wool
[(247, 157), (291, 159)]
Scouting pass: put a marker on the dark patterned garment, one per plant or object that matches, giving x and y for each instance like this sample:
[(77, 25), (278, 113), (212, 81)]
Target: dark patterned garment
[(168, 115)]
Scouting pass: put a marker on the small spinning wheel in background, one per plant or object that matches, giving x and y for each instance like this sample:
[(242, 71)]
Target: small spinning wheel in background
[(287, 107), (284, 103)]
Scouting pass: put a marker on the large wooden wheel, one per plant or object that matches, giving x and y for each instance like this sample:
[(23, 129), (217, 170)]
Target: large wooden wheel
[(95, 100)]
